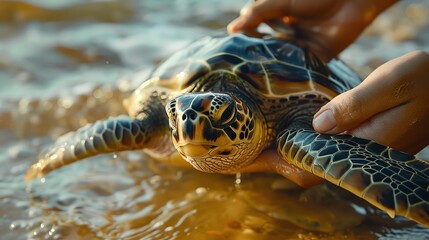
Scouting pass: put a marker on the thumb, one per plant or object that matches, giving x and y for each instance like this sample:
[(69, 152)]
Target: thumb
[(385, 88), (264, 10), (352, 108), (344, 112)]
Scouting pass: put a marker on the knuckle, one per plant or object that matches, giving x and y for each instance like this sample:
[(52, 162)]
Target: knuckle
[(407, 77)]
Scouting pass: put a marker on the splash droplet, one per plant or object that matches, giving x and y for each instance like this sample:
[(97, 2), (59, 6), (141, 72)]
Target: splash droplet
[(237, 180), (201, 191)]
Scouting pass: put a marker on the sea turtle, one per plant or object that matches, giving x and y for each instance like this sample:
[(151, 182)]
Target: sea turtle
[(223, 100)]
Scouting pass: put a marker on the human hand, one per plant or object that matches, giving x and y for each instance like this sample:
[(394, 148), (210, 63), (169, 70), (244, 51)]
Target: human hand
[(391, 106), (326, 26)]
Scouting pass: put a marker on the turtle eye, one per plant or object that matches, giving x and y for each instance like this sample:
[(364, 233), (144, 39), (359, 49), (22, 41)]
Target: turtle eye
[(222, 113)]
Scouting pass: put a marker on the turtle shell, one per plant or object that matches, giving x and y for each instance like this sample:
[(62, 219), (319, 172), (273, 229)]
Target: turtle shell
[(271, 66)]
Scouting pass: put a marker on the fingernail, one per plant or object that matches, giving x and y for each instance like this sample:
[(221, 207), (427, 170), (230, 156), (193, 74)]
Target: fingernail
[(325, 121)]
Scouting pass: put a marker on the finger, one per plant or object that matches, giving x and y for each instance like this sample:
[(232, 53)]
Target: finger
[(299, 176), (251, 16), (388, 86), (265, 10), (407, 133)]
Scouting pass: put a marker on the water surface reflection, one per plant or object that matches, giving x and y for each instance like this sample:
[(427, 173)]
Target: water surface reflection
[(60, 70)]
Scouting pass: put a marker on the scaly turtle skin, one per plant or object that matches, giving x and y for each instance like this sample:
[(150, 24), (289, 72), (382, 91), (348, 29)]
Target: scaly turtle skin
[(224, 100)]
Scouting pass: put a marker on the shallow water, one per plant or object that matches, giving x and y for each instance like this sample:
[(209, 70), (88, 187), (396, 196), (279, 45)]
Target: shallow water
[(60, 70)]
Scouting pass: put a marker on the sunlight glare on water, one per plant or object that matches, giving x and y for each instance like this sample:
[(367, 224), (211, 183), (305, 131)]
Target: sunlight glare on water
[(60, 70)]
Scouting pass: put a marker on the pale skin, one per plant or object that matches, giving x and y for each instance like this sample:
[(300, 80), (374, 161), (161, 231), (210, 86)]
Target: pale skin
[(391, 106)]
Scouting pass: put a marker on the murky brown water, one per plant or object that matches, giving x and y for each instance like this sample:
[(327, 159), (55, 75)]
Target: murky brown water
[(60, 69)]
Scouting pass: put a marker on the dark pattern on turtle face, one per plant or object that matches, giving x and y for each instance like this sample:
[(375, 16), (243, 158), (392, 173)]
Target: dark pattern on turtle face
[(213, 131), (394, 181)]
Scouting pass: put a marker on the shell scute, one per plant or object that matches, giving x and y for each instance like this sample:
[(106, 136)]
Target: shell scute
[(286, 52), (250, 49), (285, 79), (224, 61), (280, 72), (181, 75), (254, 74), (315, 65)]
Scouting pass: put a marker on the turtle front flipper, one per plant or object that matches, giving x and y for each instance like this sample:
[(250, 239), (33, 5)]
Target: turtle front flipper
[(391, 180), (112, 135)]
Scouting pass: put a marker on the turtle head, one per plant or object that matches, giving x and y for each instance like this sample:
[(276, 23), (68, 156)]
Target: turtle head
[(215, 132)]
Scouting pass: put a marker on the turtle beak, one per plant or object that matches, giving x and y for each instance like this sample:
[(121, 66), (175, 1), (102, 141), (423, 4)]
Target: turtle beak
[(194, 150)]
